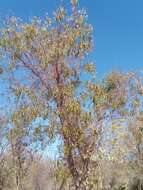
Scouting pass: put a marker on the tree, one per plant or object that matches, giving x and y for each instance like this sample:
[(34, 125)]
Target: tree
[(40, 48), (4, 144), (47, 62)]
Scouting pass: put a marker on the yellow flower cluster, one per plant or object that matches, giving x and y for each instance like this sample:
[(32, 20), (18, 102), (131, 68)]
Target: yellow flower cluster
[(26, 113), (90, 68), (73, 107)]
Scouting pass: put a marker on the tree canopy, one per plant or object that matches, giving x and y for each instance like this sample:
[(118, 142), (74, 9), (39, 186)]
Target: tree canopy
[(56, 95)]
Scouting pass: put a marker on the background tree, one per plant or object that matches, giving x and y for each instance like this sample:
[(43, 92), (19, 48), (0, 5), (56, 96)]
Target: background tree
[(4, 144)]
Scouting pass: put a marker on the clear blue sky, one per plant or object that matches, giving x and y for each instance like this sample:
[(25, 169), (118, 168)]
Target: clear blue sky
[(118, 28)]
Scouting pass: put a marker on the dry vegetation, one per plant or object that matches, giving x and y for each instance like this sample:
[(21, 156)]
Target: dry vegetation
[(53, 94)]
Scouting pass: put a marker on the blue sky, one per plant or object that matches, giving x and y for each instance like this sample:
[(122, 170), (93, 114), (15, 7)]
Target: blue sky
[(118, 28)]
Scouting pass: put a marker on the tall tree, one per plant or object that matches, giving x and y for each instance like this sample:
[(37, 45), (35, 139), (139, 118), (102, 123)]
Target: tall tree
[(47, 61)]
